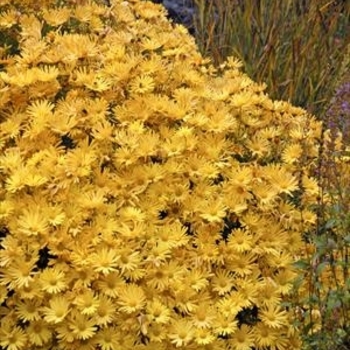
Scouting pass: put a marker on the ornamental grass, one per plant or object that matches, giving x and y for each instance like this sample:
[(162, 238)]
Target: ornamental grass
[(294, 46)]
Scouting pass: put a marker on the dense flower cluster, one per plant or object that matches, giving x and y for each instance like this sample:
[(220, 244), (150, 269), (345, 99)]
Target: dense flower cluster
[(147, 200)]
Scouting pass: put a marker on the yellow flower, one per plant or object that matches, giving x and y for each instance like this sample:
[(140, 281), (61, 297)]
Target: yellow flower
[(212, 211), (222, 282), (181, 332), (57, 310), (87, 303), (28, 310), (203, 316), (242, 339), (19, 274), (242, 264), (39, 333), (240, 240), (109, 284), (142, 85), (131, 298), (56, 17), (281, 179), (108, 338), (265, 336), (158, 312), (224, 325), (105, 312), (105, 260), (53, 280), (273, 316), (292, 153), (203, 336), (16, 339), (33, 222), (269, 294), (230, 305), (81, 326)]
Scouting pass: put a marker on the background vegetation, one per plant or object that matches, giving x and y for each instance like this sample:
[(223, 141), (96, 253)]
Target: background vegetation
[(300, 49)]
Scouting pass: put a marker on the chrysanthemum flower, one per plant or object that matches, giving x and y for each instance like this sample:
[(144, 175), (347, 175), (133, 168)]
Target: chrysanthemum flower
[(242, 264), (57, 310), (181, 332), (105, 260), (281, 179), (142, 85), (39, 333), (273, 316), (265, 336), (87, 302), (53, 280), (240, 240), (105, 312), (203, 316), (16, 339), (158, 312), (109, 284), (222, 282), (81, 326), (33, 222), (269, 294), (224, 325), (131, 298), (203, 336), (28, 310), (243, 338), (108, 338)]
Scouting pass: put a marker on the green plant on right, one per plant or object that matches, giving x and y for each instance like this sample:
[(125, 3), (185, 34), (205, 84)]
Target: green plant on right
[(296, 47), (323, 290)]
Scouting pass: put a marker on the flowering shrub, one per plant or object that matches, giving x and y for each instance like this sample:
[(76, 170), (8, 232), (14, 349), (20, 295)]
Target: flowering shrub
[(148, 200)]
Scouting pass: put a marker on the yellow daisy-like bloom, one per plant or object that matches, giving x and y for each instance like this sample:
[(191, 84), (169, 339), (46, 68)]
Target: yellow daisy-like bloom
[(224, 325), (181, 332), (292, 153), (131, 298), (105, 312), (242, 339), (142, 85), (281, 179), (108, 338), (33, 222), (242, 264), (222, 282), (232, 304), (109, 284), (53, 280), (203, 316), (57, 310), (240, 240), (87, 302), (19, 274), (273, 316), (81, 326), (265, 336), (158, 312), (105, 260), (203, 336), (39, 333), (16, 339), (269, 294), (28, 310), (56, 17)]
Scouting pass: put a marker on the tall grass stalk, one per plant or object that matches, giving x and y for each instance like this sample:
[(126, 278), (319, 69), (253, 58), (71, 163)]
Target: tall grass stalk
[(294, 46)]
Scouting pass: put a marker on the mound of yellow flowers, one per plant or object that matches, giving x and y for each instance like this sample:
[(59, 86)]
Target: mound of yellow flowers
[(147, 199)]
